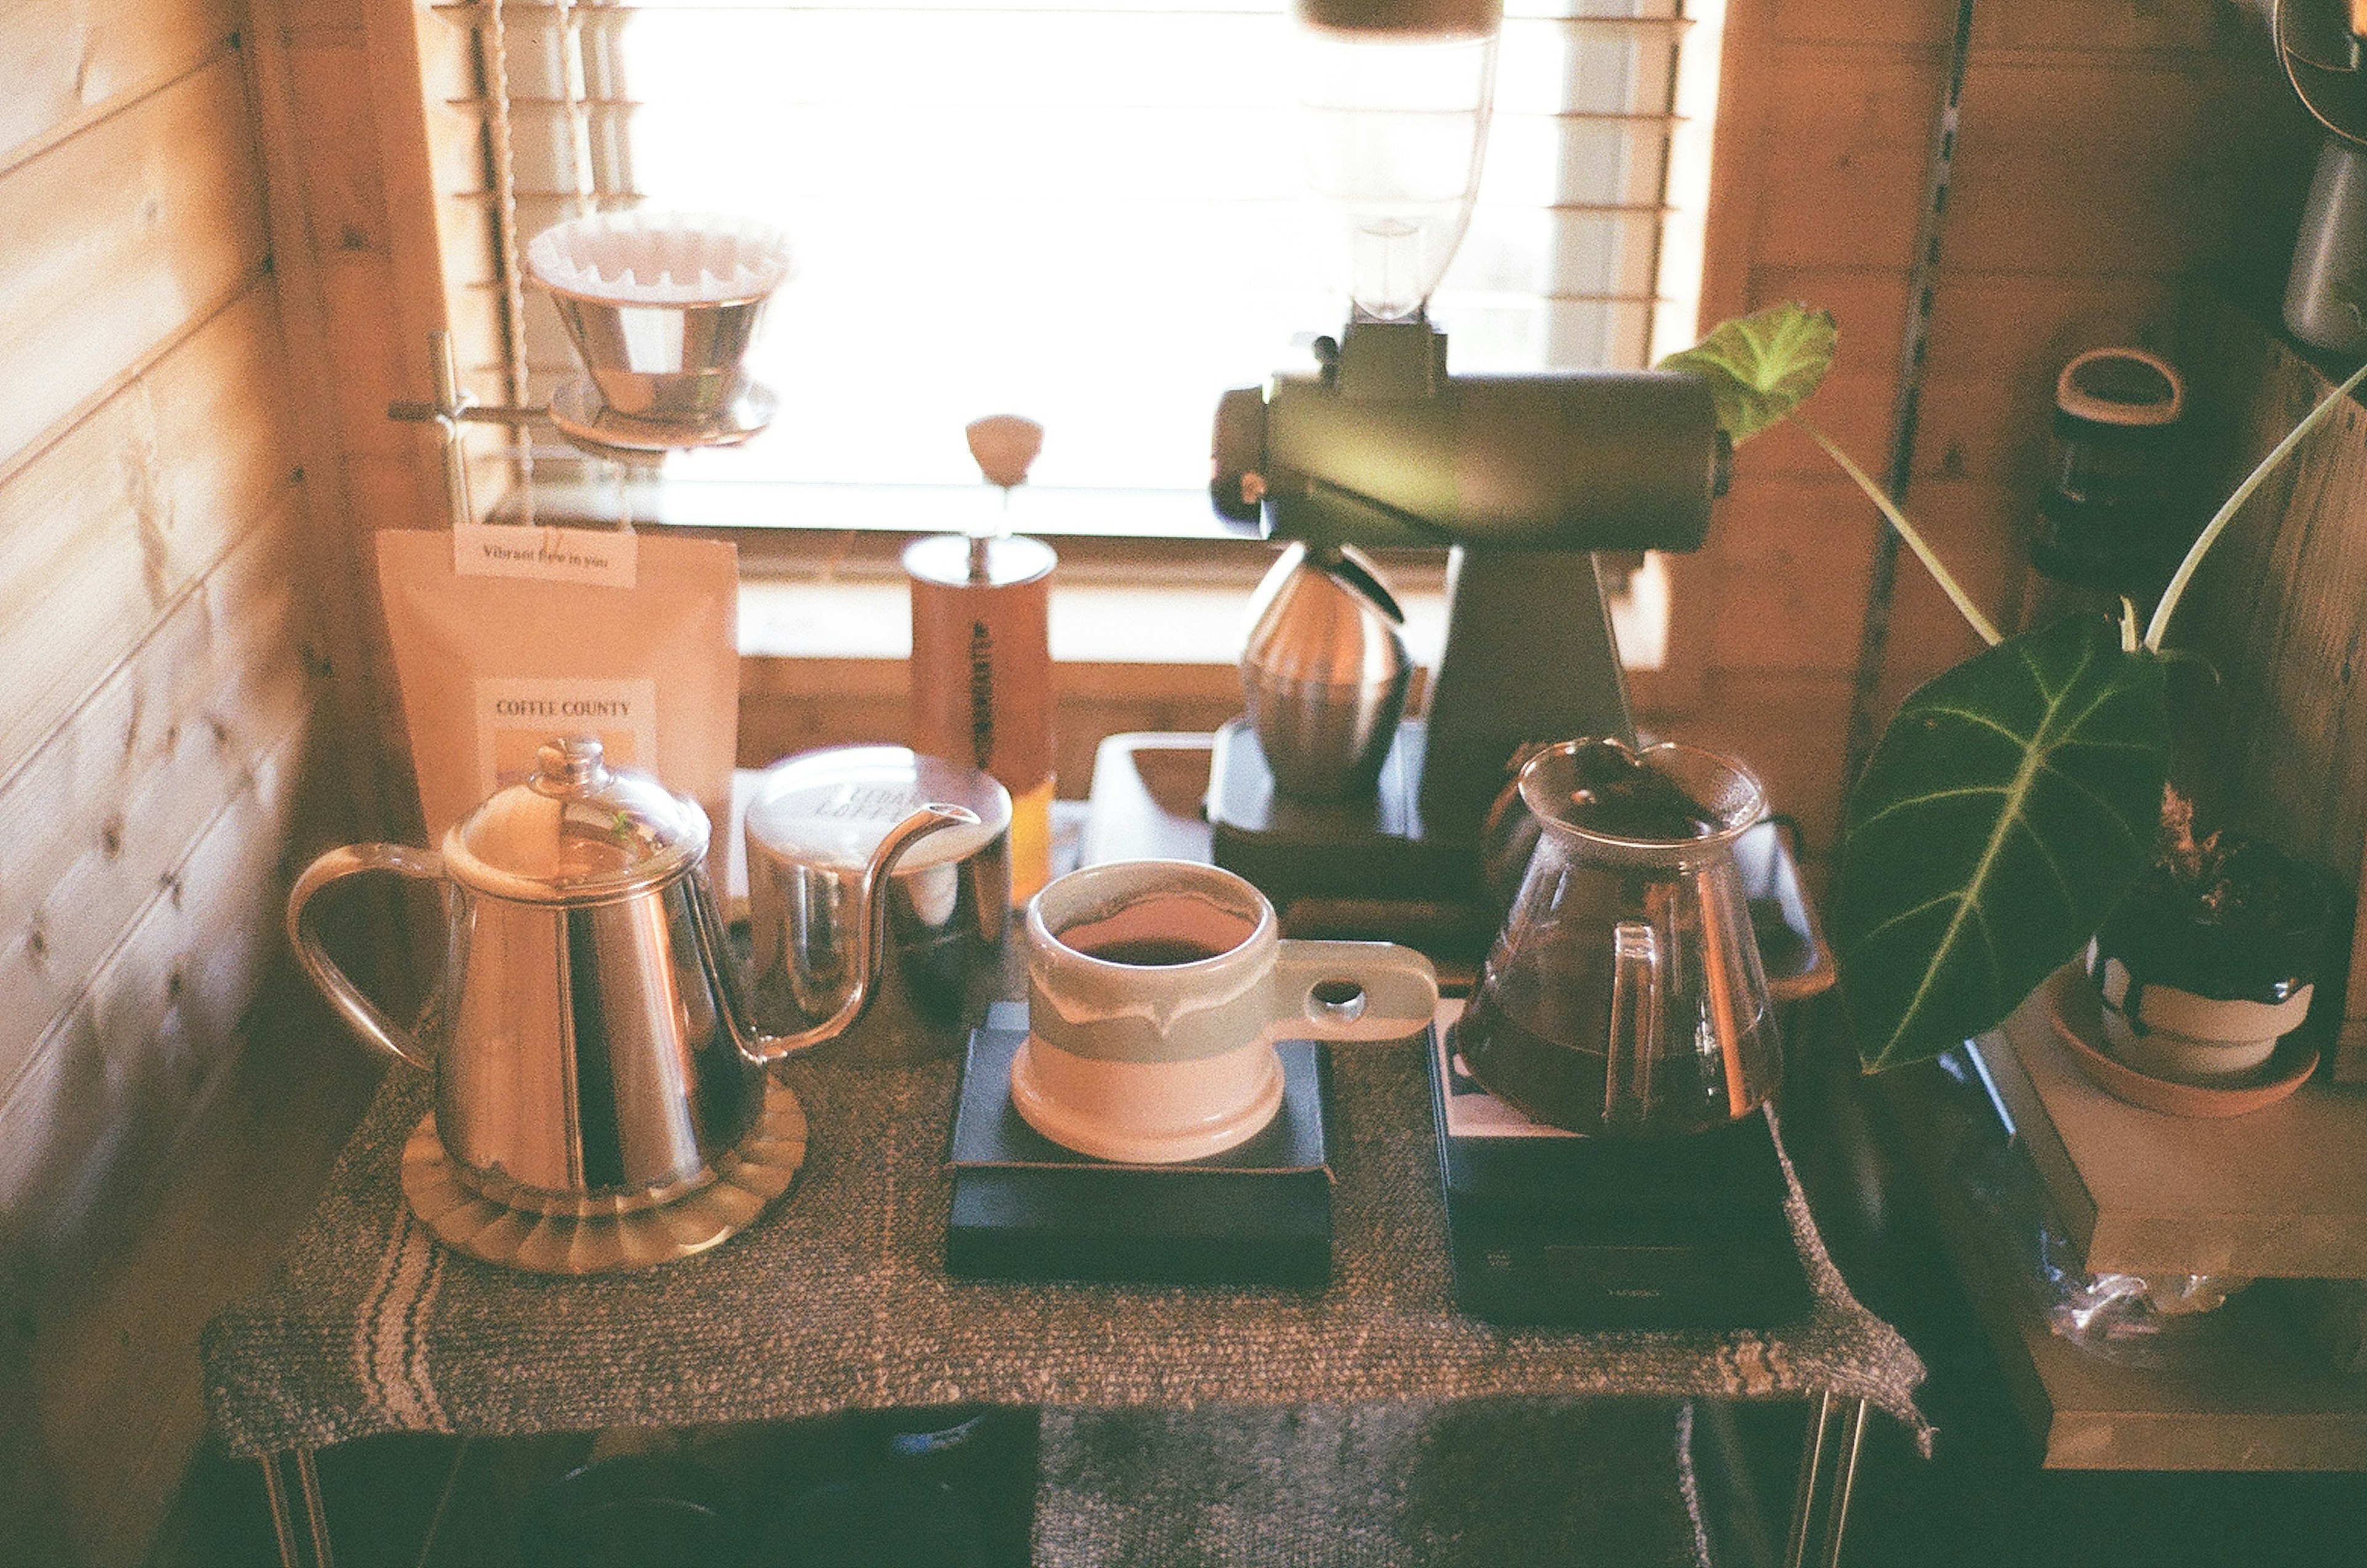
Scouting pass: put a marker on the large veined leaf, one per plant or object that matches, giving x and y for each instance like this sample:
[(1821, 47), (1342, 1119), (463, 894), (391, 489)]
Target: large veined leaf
[(1760, 367), (2007, 808)]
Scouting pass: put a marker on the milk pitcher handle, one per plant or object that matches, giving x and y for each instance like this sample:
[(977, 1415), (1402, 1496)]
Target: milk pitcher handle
[(1634, 1038), (362, 1015), (1351, 990)]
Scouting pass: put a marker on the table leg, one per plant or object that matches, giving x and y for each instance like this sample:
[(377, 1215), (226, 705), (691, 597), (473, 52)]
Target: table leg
[(1827, 1475), (283, 1514)]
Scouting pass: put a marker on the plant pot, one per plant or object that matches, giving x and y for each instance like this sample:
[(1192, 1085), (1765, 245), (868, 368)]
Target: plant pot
[(2199, 991)]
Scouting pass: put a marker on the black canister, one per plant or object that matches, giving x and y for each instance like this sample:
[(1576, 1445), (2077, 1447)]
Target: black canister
[(2111, 515)]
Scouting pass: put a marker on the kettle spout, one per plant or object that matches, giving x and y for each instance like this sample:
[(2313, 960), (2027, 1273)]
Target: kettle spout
[(869, 945)]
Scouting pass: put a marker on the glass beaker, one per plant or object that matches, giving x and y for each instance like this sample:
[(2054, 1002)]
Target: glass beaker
[(1623, 993)]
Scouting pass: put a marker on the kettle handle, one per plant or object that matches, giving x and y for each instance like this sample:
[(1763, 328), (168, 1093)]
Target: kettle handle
[(869, 947), (362, 1015)]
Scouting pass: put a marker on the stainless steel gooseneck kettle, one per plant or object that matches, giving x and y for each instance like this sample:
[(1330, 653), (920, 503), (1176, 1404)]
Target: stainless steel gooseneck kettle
[(592, 1054)]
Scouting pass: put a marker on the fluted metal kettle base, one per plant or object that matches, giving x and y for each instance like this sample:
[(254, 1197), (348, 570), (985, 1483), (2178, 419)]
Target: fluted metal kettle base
[(599, 1239)]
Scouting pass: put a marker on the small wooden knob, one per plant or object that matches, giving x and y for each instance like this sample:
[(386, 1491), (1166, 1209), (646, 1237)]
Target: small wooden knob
[(1004, 445)]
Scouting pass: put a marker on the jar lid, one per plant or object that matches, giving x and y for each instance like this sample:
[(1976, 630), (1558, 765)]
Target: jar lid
[(576, 832), (829, 809), (2125, 386)]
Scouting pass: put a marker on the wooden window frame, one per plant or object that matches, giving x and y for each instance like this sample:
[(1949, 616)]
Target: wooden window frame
[(422, 68)]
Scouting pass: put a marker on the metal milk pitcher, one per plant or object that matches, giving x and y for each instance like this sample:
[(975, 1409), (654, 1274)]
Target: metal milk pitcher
[(813, 825), (1624, 995), (592, 1053)]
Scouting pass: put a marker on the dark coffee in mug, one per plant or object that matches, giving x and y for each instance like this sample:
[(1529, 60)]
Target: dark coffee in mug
[(1150, 952), (1156, 991), (1161, 929)]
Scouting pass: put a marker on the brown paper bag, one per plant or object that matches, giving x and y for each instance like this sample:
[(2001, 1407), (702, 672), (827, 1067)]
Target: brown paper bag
[(492, 666)]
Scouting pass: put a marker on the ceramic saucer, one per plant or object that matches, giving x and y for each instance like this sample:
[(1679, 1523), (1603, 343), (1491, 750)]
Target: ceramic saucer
[(2072, 1008)]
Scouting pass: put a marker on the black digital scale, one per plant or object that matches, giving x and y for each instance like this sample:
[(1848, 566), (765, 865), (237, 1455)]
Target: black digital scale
[(1552, 1229), (1544, 1227), (1025, 1207)]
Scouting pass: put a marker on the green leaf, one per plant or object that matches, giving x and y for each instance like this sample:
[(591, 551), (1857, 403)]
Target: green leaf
[(1760, 367), (2008, 807)]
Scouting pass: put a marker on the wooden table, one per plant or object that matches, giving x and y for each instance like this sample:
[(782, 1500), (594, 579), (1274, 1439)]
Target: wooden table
[(417, 1338)]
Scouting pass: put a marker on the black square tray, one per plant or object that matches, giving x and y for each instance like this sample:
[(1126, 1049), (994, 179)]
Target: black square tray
[(1026, 1208)]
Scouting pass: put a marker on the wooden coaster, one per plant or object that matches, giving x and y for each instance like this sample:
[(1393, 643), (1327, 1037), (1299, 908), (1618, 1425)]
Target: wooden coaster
[(597, 1238)]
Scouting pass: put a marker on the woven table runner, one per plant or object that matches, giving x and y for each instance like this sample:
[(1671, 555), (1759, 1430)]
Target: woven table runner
[(838, 1298)]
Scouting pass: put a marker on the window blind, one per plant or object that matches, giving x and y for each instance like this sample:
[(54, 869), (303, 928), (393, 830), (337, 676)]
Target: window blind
[(1088, 212)]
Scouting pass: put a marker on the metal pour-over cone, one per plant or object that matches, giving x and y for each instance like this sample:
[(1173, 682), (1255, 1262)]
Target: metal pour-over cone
[(662, 308), (1325, 672)]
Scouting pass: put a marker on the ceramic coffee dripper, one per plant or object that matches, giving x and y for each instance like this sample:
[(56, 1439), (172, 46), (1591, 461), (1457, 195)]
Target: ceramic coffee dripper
[(594, 1063), (1624, 993), (1156, 991)]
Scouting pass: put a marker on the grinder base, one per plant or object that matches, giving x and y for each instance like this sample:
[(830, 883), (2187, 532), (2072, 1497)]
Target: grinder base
[(1363, 869)]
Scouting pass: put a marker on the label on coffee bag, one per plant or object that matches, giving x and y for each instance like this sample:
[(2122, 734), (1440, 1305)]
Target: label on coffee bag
[(606, 558), (517, 715)]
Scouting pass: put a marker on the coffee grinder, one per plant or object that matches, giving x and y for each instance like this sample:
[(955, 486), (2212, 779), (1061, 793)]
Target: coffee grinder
[(1523, 476)]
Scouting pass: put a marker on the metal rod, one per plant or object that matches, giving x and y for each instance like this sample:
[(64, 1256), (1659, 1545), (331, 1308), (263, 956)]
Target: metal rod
[(1844, 1483), (1923, 282), (283, 1520), (1828, 1480), (410, 412), (315, 1515), (452, 404), (443, 1503), (1804, 1498)]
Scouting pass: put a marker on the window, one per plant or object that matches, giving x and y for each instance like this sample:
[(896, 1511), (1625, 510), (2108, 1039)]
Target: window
[(1085, 210)]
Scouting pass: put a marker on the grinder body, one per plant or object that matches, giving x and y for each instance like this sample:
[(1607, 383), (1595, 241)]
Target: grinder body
[(1381, 448), (1524, 477)]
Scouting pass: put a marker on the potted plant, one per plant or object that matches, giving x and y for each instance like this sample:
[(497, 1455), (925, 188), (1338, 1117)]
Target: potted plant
[(2212, 958), (2013, 800)]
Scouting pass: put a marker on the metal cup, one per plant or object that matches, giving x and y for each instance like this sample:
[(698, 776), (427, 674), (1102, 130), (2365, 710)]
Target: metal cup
[(810, 828), (1325, 673)]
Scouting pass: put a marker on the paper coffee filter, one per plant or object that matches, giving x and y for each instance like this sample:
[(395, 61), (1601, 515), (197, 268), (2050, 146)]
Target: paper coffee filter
[(660, 258)]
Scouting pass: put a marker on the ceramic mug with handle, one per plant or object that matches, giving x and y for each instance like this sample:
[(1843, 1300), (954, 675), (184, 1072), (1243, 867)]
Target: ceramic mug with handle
[(1157, 990)]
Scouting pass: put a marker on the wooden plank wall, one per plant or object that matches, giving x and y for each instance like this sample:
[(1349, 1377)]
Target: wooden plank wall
[(176, 620), (2272, 743), (2109, 152)]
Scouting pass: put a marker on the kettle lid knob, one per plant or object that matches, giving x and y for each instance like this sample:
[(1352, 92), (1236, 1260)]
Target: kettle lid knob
[(575, 831), (569, 766)]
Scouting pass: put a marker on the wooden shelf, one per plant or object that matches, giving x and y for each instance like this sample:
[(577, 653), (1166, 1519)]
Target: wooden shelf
[(2274, 1192), (2240, 1389)]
